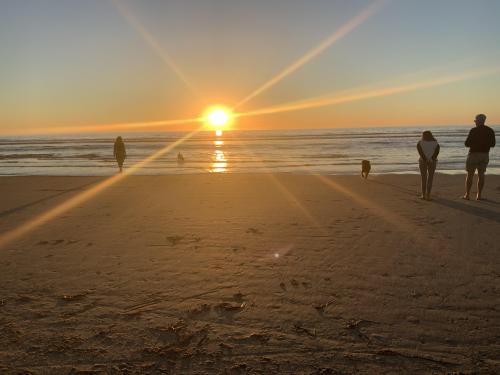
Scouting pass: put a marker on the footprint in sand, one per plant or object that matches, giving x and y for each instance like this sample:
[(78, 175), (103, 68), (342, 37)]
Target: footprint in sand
[(436, 222), (254, 231), (238, 297), (200, 310), (23, 299), (253, 338), (228, 310), (73, 297), (174, 240), (236, 248)]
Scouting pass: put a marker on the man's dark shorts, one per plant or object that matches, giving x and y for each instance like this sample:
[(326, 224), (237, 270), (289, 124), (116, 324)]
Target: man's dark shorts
[(477, 160)]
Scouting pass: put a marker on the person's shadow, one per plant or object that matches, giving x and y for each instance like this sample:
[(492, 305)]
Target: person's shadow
[(472, 207), (34, 203)]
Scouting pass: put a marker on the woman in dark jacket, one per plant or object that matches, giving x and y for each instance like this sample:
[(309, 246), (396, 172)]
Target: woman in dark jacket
[(119, 152)]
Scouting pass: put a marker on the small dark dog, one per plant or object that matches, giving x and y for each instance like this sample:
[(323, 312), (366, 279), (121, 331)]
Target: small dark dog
[(365, 168)]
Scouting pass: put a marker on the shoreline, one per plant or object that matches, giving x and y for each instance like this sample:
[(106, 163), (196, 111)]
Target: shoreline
[(329, 152), (208, 173)]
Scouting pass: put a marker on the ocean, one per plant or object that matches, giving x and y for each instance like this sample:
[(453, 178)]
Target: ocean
[(324, 151)]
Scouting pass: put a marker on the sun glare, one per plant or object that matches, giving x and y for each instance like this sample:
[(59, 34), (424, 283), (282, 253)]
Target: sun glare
[(217, 117)]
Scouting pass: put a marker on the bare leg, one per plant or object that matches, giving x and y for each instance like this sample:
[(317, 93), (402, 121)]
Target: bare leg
[(468, 184), (432, 169), (480, 184), (423, 174), (120, 163)]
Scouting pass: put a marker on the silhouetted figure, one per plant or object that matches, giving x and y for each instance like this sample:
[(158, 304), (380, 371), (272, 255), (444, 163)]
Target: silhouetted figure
[(480, 140), (119, 152), (365, 168), (180, 158), (428, 149)]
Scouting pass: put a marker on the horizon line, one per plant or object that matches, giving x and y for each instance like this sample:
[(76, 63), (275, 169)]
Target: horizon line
[(240, 130)]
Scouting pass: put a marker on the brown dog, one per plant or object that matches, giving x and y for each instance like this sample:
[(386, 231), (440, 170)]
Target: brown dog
[(365, 168)]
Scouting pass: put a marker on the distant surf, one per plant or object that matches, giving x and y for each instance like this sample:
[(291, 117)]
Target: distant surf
[(324, 151)]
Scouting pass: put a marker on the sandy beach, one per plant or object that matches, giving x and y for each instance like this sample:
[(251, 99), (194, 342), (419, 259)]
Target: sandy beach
[(250, 273)]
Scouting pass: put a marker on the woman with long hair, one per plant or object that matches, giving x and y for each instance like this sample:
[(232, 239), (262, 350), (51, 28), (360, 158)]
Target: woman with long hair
[(119, 152), (428, 149)]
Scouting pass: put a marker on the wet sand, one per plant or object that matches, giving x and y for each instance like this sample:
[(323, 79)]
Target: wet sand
[(259, 274)]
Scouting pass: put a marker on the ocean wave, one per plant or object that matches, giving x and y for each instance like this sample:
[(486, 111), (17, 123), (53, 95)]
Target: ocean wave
[(24, 156), (322, 151)]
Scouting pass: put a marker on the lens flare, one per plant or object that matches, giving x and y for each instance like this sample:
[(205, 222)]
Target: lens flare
[(134, 22), (81, 198), (316, 51), (369, 94), (102, 128)]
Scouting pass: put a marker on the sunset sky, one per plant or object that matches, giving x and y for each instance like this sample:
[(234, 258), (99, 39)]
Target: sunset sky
[(75, 63)]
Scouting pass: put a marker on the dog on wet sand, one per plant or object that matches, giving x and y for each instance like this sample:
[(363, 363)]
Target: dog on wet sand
[(365, 168)]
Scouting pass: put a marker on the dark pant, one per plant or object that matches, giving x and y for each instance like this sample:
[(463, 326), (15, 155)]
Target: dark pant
[(120, 161), (427, 170)]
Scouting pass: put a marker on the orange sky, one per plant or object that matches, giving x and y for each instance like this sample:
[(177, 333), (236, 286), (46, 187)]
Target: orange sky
[(145, 63)]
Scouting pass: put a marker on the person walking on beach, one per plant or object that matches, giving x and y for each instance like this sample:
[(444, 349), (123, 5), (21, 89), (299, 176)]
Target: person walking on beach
[(428, 149), (480, 140), (119, 152)]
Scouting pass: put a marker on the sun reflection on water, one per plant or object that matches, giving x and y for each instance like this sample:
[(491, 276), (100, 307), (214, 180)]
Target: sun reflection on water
[(219, 161)]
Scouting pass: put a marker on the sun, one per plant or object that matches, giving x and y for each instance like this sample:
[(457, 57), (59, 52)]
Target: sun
[(218, 116)]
